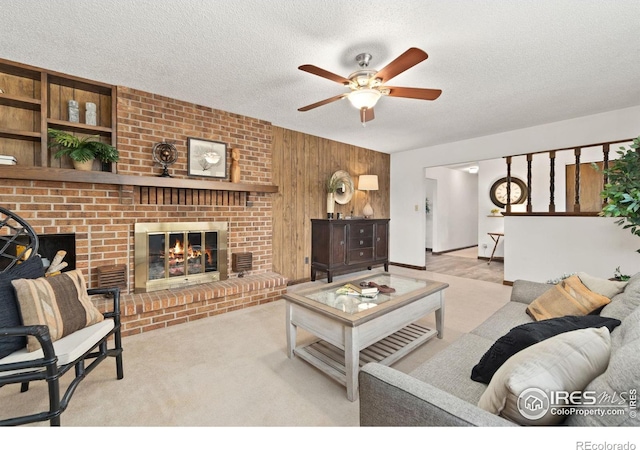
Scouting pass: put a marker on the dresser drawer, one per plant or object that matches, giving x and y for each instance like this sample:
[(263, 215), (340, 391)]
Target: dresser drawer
[(357, 231), (362, 242), (360, 255)]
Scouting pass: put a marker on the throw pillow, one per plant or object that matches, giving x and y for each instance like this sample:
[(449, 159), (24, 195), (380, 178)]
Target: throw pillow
[(602, 286), (566, 362), (523, 336), (618, 385), (571, 298), (61, 302), (9, 310)]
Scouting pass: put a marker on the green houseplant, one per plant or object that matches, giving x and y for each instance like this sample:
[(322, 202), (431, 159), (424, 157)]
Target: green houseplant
[(622, 190), (81, 150)]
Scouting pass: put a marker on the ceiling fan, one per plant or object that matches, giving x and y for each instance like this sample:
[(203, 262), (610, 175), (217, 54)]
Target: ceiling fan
[(368, 85)]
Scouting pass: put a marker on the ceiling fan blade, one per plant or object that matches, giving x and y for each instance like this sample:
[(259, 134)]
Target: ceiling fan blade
[(403, 62), (417, 93), (366, 115), (324, 74), (322, 102)]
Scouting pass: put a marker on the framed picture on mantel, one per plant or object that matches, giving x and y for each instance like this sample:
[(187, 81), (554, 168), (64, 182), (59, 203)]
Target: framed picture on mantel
[(206, 158)]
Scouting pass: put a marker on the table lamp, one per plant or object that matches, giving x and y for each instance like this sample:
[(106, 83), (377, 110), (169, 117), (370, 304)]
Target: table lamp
[(368, 183)]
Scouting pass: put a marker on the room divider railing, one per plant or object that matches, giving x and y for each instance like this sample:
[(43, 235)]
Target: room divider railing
[(574, 186)]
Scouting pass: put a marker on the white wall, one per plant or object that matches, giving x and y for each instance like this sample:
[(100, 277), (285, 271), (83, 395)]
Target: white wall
[(407, 168), (455, 209), (543, 248)]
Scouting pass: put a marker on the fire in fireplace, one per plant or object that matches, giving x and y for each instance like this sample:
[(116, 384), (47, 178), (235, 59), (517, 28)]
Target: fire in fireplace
[(177, 254)]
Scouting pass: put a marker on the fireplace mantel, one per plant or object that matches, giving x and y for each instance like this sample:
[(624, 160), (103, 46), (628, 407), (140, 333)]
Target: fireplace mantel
[(79, 176)]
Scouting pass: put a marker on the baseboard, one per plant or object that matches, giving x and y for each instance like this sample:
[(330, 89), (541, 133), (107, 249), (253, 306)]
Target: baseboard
[(303, 280), (408, 266), (453, 250), (495, 258)]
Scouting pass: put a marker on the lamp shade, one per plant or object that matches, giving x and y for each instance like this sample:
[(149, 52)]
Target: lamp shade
[(368, 183), (364, 98)]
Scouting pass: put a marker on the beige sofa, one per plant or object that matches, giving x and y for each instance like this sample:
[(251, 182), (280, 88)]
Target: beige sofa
[(440, 392)]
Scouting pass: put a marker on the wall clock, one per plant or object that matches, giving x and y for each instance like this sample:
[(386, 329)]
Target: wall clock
[(498, 192)]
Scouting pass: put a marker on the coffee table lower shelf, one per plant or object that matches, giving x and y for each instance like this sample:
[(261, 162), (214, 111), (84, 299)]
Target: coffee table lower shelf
[(330, 359)]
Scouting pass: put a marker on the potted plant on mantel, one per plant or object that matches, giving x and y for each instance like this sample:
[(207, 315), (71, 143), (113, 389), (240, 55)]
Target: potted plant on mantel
[(82, 151), (622, 191)]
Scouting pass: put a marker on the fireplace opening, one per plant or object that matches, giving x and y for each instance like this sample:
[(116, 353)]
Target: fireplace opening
[(178, 254), (50, 244)]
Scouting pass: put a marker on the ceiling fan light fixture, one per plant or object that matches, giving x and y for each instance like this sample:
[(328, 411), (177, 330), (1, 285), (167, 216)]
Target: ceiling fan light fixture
[(364, 98)]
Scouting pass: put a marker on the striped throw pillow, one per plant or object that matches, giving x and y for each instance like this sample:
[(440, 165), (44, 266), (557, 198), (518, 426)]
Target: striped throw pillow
[(61, 302)]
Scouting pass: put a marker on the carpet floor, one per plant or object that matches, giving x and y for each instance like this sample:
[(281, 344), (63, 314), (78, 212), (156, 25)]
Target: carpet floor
[(232, 370)]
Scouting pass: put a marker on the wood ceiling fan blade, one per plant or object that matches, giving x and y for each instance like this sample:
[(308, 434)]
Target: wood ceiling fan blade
[(403, 62), (324, 74), (417, 93), (322, 102)]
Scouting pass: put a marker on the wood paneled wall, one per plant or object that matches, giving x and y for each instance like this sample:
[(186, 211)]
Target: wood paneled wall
[(301, 166)]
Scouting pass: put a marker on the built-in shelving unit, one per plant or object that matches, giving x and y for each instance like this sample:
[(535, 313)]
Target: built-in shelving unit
[(33, 100)]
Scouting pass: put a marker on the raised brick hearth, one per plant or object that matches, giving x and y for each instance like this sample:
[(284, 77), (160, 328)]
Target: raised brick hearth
[(153, 310)]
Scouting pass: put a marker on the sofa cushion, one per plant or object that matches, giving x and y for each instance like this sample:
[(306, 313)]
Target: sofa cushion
[(61, 302), (525, 335), (602, 286), (623, 304), (571, 297), (566, 362), (449, 369), (9, 309), (620, 379), (499, 323)]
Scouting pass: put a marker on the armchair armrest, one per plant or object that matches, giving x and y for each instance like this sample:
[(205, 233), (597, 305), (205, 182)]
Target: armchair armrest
[(389, 397), (115, 294)]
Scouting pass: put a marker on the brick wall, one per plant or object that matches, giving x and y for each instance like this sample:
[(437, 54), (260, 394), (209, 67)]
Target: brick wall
[(102, 216)]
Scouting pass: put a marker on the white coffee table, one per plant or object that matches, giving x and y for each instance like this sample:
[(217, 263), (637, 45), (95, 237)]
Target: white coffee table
[(352, 330)]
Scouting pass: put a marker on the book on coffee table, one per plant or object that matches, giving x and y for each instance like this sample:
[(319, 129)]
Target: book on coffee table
[(352, 289)]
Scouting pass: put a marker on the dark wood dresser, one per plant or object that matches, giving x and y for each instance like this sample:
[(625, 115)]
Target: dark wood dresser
[(339, 246)]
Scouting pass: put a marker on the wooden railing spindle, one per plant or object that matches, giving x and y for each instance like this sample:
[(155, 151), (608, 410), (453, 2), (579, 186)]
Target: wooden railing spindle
[(576, 205), (605, 166), (508, 206), (552, 181), (529, 161)]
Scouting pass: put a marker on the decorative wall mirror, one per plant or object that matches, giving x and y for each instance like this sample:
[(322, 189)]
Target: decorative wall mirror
[(344, 191)]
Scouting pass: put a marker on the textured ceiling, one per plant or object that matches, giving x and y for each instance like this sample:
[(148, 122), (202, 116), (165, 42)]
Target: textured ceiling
[(501, 65)]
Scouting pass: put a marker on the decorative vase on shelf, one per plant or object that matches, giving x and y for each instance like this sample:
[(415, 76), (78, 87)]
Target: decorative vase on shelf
[(331, 201), (235, 166)]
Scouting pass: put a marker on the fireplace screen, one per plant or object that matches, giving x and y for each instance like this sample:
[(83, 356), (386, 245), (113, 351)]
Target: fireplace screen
[(177, 254)]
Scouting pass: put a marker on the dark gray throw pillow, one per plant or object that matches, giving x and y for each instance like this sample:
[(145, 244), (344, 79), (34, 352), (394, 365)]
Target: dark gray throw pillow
[(9, 309), (523, 336)]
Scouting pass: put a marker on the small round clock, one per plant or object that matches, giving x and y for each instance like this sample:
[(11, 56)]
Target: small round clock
[(498, 192)]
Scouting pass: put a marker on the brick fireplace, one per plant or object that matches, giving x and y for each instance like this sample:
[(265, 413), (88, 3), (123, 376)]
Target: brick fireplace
[(102, 216)]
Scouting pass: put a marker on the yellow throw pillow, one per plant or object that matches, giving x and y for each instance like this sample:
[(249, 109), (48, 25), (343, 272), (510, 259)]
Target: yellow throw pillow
[(61, 302), (570, 298)]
